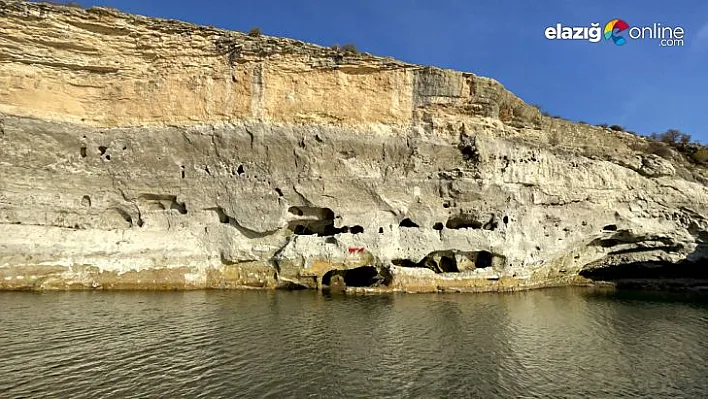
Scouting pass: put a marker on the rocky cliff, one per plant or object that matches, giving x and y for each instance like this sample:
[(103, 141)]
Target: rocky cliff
[(156, 154)]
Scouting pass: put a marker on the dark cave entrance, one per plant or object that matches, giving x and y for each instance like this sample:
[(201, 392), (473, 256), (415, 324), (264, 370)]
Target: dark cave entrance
[(448, 264), (669, 276), (484, 259), (449, 261), (317, 221), (364, 276), (407, 223), (647, 270)]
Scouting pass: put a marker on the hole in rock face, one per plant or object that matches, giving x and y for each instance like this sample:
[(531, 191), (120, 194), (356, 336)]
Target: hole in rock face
[(453, 261), (82, 151), (86, 201), (331, 240), (381, 230), (302, 230), (438, 226), (484, 259), (356, 230), (407, 223), (296, 211), (181, 168), (365, 276), (656, 274), (102, 150), (240, 170), (108, 157), (279, 191), (609, 243), (463, 221), (506, 220), (610, 227), (313, 220), (448, 264)]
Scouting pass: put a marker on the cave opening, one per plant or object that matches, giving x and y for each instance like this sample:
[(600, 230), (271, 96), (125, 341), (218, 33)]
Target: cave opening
[(438, 226), (364, 276), (651, 275), (463, 221), (610, 227), (439, 262), (301, 230), (317, 221), (296, 211), (356, 229), (448, 264), (407, 223), (484, 259)]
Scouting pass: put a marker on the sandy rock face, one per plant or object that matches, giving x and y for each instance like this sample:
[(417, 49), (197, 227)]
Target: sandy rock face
[(153, 154)]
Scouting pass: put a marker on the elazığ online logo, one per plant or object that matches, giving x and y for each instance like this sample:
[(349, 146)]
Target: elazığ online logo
[(617, 30), (616, 25)]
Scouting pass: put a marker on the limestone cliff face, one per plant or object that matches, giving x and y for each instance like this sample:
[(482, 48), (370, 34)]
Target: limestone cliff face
[(146, 153)]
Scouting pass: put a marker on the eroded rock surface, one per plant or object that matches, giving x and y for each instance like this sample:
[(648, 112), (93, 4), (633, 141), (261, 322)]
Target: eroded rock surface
[(154, 154)]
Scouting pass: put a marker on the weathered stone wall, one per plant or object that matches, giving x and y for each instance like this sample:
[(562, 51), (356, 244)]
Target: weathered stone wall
[(153, 154)]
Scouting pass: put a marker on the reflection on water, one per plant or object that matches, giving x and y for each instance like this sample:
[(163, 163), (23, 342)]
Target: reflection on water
[(549, 343)]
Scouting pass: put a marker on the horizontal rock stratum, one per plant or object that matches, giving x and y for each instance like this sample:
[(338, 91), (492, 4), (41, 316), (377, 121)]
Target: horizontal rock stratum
[(140, 153)]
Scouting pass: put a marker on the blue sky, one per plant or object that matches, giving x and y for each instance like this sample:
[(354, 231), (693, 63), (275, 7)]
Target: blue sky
[(639, 85)]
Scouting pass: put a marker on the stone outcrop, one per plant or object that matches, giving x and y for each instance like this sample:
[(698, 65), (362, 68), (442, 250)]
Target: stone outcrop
[(155, 154)]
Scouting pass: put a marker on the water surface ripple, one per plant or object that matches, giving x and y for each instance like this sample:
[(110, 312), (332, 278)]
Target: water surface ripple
[(225, 344)]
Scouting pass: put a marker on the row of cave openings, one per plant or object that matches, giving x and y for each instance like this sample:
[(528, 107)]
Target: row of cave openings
[(438, 261), (320, 222)]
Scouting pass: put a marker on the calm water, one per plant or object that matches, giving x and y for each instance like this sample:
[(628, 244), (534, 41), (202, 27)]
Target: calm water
[(550, 343)]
